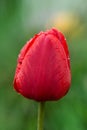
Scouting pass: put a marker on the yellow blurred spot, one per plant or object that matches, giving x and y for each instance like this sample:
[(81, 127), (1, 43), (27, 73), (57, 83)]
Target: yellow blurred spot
[(67, 23)]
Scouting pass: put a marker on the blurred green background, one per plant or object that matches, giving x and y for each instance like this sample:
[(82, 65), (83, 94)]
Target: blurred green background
[(19, 21)]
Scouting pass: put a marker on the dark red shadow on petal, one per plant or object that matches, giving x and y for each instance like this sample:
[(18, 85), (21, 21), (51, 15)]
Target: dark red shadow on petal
[(62, 39)]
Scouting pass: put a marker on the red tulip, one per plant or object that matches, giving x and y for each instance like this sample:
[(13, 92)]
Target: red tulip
[(43, 69)]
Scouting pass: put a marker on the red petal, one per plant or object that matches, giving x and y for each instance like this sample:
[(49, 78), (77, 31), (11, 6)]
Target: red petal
[(63, 42)]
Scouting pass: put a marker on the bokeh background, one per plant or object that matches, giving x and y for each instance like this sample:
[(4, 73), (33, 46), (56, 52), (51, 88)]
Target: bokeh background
[(19, 21)]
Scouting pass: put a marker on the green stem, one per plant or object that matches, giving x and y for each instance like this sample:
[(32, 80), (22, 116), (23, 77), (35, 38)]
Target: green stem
[(40, 116)]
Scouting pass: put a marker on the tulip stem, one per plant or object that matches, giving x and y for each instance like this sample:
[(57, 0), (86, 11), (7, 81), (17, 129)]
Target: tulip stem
[(40, 115)]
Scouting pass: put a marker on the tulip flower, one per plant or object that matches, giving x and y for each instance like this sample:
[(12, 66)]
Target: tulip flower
[(43, 68)]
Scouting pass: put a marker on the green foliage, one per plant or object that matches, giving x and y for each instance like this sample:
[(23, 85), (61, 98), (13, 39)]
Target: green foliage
[(17, 113)]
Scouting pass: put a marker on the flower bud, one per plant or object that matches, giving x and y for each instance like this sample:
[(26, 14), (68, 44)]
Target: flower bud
[(43, 68)]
